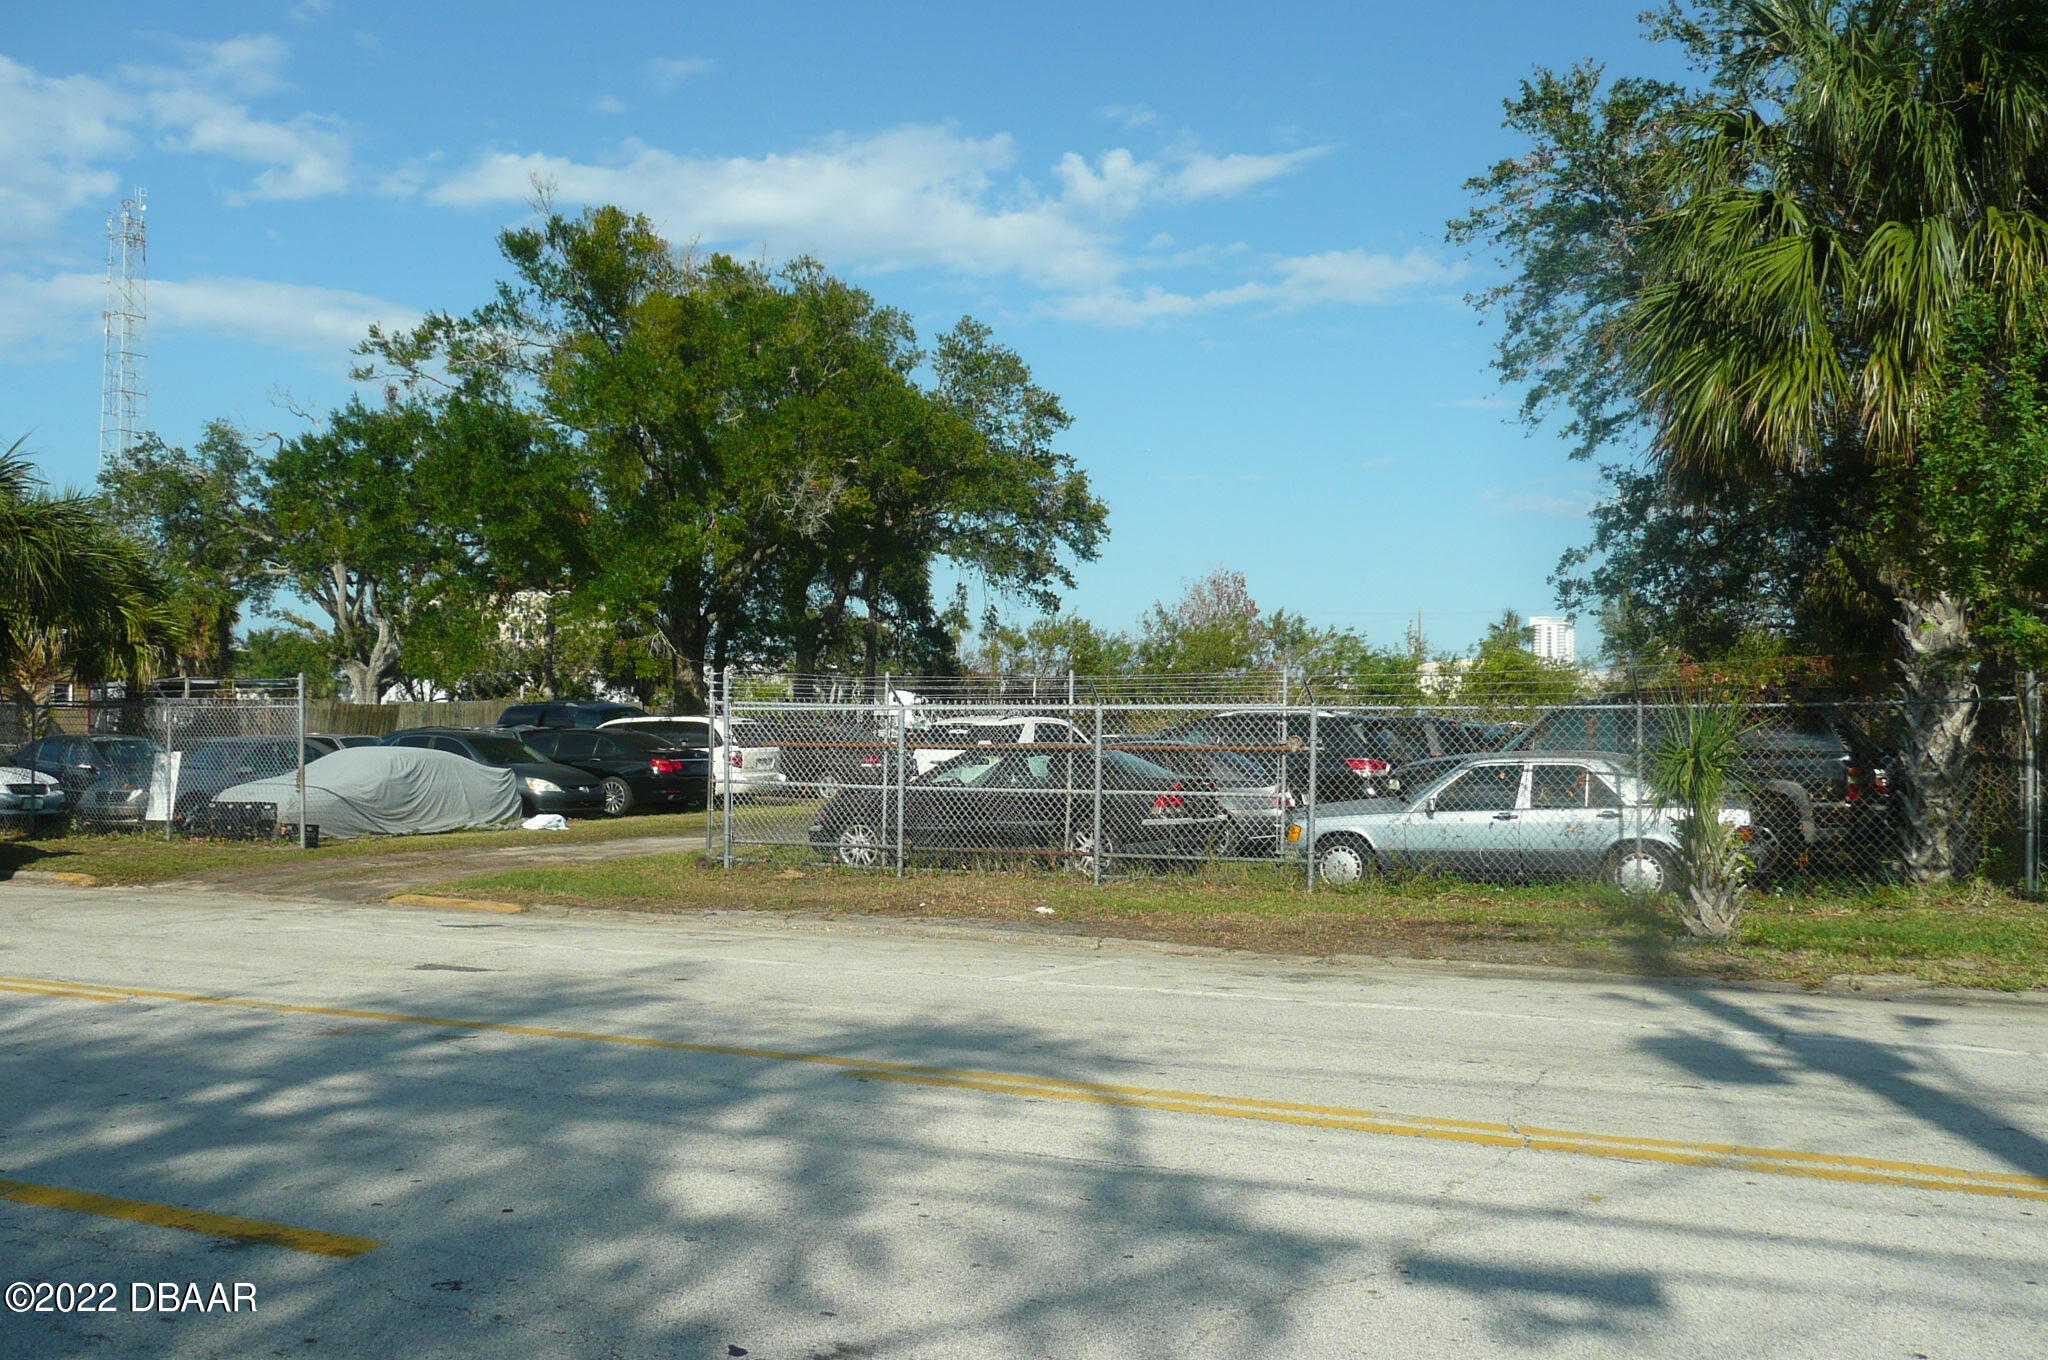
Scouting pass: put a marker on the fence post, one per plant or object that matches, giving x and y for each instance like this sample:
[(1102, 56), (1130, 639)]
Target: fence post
[(1309, 818), (2030, 797), (902, 779), (1096, 844), (725, 803), (302, 760)]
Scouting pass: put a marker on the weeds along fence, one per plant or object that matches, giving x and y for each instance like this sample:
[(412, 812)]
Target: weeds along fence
[(1096, 778)]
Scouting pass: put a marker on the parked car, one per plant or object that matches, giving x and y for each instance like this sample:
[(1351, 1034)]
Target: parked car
[(743, 753), (1555, 816), (633, 769), (105, 779), (1256, 805), (372, 791), (544, 785), (205, 770), (1356, 752), (1818, 786), (568, 713), (1023, 801), (823, 752), (936, 743), (28, 796), (343, 740)]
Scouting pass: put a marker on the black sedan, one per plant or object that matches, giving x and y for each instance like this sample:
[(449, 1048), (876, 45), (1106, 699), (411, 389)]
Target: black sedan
[(544, 785), (1040, 803), (636, 770)]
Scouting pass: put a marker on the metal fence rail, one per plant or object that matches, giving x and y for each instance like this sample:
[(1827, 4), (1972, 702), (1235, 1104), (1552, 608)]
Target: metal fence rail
[(1339, 793)]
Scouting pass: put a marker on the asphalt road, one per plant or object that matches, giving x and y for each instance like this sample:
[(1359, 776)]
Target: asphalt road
[(422, 1134)]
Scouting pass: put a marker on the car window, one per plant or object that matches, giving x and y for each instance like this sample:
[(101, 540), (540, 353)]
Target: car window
[(965, 774), (573, 746), (1139, 769), (450, 745), (1488, 788), (495, 750), (518, 714), (1569, 786), (416, 742), (636, 744), (1039, 770)]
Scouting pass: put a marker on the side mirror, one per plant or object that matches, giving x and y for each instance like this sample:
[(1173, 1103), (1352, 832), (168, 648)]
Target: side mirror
[(1429, 808), (86, 769)]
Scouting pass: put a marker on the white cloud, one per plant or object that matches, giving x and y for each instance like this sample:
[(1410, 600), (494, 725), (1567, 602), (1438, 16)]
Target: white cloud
[(55, 135), (668, 72), (1128, 115), (63, 310), (909, 196), (913, 195), (61, 138), (1346, 277), (608, 104), (307, 11), (1513, 502)]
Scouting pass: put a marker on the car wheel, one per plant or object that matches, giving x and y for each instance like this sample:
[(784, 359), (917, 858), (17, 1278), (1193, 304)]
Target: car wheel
[(1641, 868), (618, 797), (828, 787), (858, 846), (1342, 861), (1082, 848)]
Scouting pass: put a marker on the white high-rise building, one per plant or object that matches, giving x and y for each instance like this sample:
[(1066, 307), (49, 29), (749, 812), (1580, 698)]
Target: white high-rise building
[(1556, 639)]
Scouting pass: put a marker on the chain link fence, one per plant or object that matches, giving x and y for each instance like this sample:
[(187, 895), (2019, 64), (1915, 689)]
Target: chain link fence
[(1119, 782), (152, 765)]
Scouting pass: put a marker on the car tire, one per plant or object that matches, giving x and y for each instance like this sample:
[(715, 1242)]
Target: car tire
[(1641, 869), (858, 846), (1344, 861), (618, 796), (1083, 846), (828, 787)]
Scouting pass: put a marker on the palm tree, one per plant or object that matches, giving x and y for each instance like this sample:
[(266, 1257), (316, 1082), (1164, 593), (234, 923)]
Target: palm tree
[(75, 597), (1872, 162)]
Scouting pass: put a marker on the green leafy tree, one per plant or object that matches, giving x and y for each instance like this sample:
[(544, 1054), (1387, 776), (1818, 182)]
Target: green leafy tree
[(274, 653), (1214, 628), (1504, 677), (761, 455), (77, 599)]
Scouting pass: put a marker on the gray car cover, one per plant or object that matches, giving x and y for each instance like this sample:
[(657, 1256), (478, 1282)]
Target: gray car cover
[(389, 791)]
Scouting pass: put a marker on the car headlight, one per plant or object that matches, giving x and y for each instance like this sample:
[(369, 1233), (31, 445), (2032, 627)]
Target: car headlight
[(534, 785)]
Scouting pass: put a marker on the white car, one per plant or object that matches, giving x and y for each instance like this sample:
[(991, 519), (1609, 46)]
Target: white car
[(937, 742), (1558, 815), (745, 762), (29, 795)]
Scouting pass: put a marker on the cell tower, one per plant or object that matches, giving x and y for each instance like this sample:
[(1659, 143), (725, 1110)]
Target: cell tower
[(124, 386)]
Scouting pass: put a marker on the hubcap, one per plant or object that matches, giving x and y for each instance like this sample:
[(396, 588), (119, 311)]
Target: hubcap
[(857, 848), (1342, 865), (614, 797), (1637, 872)]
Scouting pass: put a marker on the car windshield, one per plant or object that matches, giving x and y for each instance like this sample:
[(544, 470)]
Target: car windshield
[(500, 750), (127, 750), (1138, 768)]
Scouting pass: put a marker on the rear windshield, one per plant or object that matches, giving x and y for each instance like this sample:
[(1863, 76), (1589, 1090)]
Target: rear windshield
[(635, 740), (674, 736)]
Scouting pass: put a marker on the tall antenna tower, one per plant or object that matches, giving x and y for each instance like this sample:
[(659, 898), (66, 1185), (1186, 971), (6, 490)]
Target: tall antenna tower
[(124, 386)]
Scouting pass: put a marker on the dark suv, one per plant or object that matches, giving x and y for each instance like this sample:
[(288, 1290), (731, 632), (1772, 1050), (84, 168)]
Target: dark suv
[(1815, 784), (568, 713)]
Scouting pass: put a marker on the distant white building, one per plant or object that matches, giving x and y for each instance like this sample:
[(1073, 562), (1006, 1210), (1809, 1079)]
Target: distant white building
[(1556, 639)]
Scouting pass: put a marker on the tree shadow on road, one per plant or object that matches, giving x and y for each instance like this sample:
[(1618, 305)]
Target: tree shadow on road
[(562, 1196)]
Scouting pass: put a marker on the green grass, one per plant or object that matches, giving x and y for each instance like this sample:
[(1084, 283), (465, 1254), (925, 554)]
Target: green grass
[(1972, 935)]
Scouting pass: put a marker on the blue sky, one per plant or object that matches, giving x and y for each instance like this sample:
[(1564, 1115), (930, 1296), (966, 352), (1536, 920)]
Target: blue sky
[(1215, 230)]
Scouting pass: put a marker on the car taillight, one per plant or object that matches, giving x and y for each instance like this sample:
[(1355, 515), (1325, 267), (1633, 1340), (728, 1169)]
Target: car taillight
[(872, 760), (1169, 800), (1852, 791), (736, 760), (665, 765), (1368, 766), (1881, 782)]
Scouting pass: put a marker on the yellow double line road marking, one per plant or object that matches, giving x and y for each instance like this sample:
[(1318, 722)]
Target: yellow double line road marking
[(189, 1220), (1730, 1156)]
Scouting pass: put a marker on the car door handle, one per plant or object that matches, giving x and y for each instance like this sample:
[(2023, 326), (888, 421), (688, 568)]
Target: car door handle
[(1503, 816), (1610, 816)]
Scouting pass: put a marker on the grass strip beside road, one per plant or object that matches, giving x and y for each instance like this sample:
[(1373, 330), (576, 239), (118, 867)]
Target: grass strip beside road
[(1974, 935)]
